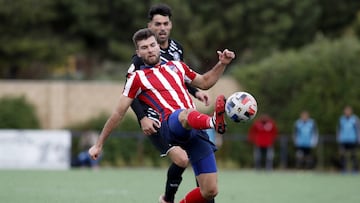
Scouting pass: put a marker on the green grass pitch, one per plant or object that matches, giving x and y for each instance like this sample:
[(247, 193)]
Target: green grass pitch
[(144, 185)]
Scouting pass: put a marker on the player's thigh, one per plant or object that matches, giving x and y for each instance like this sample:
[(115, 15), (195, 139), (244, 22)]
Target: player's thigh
[(178, 156), (183, 116)]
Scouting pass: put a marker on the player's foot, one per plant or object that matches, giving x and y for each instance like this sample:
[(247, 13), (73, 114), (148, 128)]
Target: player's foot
[(218, 118), (161, 199)]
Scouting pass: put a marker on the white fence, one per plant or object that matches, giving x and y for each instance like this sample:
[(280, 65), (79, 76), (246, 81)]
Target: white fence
[(35, 149)]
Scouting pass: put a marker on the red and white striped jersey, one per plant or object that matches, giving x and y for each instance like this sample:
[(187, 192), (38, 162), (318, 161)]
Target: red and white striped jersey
[(162, 87)]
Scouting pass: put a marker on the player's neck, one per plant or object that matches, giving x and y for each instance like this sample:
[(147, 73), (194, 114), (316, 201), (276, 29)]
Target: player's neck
[(149, 66), (164, 45)]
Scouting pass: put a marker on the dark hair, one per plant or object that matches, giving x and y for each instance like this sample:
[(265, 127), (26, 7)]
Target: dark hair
[(142, 34), (159, 9)]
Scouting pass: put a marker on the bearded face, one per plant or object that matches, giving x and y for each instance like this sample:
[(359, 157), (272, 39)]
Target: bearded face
[(149, 51)]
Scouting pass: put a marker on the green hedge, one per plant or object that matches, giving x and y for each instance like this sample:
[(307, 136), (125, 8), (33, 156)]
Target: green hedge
[(126, 148), (17, 113), (322, 77)]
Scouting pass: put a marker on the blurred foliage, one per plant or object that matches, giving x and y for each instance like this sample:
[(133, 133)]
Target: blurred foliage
[(321, 78), (17, 113), (89, 39), (40, 35), (118, 152), (127, 146), (128, 124)]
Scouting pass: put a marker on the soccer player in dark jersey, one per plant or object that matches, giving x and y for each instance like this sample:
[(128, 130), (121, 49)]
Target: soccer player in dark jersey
[(162, 87), (160, 23)]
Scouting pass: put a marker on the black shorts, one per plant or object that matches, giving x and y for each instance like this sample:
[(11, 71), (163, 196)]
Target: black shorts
[(156, 139), (160, 143), (305, 151), (348, 146), (196, 143)]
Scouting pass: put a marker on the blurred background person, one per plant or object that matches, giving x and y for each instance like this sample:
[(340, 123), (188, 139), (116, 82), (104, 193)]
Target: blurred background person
[(83, 159), (305, 138), (348, 135), (262, 135)]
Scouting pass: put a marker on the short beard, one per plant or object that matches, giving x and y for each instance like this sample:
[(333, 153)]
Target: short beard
[(151, 63)]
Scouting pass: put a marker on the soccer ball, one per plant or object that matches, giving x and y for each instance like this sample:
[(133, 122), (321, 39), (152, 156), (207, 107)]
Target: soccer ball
[(241, 107)]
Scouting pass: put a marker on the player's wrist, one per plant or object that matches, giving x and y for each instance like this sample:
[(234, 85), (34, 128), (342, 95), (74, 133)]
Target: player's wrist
[(99, 144), (222, 63)]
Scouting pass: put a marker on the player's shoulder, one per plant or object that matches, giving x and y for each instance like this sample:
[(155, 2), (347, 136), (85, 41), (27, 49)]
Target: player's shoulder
[(175, 43), (176, 63), (136, 63)]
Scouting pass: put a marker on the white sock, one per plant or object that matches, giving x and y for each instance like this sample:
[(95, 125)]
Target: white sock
[(212, 122)]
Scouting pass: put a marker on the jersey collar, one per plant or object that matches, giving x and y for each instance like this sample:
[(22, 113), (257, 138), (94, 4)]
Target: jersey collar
[(142, 67)]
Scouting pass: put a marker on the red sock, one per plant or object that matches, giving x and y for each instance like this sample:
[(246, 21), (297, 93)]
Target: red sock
[(198, 120), (194, 196)]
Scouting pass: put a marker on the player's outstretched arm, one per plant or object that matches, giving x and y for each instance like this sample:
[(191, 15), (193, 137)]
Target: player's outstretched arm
[(115, 118), (209, 79)]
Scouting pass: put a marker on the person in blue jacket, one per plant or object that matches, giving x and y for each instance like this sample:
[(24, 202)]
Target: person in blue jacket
[(348, 135), (305, 140)]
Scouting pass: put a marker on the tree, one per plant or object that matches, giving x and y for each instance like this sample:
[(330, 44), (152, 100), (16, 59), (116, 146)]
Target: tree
[(320, 78), (27, 39), (17, 113), (42, 34)]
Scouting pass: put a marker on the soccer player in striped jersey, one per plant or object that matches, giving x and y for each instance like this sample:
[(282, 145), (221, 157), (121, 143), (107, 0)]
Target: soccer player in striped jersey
[(162, 86), (170, 50)]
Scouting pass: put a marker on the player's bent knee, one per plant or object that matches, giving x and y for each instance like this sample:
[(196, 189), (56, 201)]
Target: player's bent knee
[(181, 161), (208, 185), (179, 157), (210, 193), (183, 116)]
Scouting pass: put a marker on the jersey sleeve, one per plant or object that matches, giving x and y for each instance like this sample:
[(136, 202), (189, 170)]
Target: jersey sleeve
[(132, 86), (189, 73), (181, 52), (138, 108), (136, 63), (192, 90)]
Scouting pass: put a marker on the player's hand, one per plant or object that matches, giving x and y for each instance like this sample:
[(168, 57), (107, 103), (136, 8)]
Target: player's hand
[(95, 152), (149, 126), (203, 97), (226, 56)]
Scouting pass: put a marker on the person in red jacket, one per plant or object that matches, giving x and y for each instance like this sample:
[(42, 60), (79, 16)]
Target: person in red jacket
[(262, 134)]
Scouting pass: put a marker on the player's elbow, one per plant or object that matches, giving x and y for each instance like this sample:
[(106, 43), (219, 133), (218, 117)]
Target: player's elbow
[(204, 85), (204, 82)]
